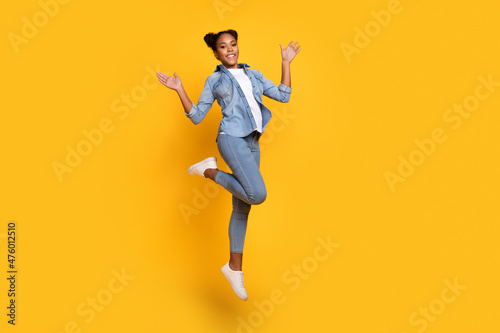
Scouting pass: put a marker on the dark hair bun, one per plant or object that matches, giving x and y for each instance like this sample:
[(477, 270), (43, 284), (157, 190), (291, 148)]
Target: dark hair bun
[(211, 38)]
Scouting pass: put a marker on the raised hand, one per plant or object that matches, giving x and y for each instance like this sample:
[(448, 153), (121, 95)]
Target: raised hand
[(169, 81), (290, 52)]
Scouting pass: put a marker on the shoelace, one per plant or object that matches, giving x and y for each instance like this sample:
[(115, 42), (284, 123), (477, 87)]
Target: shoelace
[(240, 280)]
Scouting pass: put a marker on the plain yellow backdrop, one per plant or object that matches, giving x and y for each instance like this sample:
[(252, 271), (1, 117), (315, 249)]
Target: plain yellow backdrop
[(123, 240)]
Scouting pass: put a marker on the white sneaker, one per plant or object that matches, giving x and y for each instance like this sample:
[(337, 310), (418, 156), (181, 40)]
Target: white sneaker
[(235, 278), (200, 167)]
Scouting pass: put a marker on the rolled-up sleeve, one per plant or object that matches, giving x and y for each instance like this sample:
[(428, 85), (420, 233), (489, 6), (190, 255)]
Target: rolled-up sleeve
[(199, 111), (280, 93)]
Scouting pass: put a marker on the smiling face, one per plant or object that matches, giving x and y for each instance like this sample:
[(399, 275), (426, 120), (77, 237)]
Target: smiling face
[(227, 51)]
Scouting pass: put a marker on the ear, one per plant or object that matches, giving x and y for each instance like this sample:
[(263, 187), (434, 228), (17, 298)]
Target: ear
[(215, 55)]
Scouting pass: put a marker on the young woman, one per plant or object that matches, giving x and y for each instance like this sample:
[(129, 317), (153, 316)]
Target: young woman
[(238, 90)]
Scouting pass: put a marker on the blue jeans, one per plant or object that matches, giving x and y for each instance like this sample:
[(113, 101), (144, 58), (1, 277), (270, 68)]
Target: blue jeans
[(242, 155)]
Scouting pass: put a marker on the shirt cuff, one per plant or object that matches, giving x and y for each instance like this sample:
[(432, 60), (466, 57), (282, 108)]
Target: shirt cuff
[(284, 88), (192, 111)]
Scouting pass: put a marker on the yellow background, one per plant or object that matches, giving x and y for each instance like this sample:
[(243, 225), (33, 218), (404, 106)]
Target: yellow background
[(324, 167)]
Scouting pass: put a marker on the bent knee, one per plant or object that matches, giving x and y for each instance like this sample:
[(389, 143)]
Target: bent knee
[(258, 197)]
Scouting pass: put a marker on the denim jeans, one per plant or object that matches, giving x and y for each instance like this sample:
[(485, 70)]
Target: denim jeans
[(242, 155)]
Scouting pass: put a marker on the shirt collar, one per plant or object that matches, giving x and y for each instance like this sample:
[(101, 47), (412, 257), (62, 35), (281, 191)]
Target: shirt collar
[(220, 67)]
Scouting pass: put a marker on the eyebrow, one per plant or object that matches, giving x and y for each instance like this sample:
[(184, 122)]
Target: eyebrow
[(229, 42)]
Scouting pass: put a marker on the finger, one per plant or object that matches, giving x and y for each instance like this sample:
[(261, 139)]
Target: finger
[(281, 47), (162, 75)]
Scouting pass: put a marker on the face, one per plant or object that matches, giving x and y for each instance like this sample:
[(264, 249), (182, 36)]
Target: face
[(227, 51)]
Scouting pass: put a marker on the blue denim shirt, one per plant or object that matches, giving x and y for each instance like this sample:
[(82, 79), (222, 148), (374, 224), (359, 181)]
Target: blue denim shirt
[(237, 119)]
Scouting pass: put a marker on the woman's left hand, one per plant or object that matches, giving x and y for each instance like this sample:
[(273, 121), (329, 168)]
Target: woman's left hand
[(290, 52)]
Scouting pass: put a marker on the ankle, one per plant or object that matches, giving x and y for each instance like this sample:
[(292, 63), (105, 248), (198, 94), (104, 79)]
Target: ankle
[(234, 267), (210, 173)]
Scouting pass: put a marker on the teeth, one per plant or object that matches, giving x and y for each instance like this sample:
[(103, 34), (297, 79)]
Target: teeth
[(231, 56)]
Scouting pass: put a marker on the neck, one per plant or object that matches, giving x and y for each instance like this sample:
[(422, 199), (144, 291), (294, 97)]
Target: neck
[(232, 67)]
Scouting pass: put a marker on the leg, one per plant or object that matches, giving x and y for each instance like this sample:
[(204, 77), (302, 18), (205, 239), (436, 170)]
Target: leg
[(238, 221), (245, 154), (237, 231), (235, 261), (210, 173), (242, 155)]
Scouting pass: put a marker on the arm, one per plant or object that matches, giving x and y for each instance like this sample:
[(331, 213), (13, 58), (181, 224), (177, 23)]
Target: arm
[(194, 112), (186, 102), (285, 73), (287, 56), (175, 83), (280, 93)]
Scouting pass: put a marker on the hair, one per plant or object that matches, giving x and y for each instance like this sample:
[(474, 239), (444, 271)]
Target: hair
[(211, 38)]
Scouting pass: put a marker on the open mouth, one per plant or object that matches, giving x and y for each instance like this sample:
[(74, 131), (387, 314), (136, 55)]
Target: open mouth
[(231, 56)]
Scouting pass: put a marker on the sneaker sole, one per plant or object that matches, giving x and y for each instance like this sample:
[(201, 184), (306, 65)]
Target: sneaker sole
[(224, 271)]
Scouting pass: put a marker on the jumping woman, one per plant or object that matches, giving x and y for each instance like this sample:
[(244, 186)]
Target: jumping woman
[(238, 90)]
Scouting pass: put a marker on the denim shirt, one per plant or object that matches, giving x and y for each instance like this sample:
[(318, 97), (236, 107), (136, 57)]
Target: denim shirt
[(237, 119)]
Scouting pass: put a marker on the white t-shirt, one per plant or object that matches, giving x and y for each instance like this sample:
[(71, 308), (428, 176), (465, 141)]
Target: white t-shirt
[(246, 85)]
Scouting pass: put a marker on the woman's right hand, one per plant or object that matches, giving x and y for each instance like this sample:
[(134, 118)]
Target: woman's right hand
[(169, 81)]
